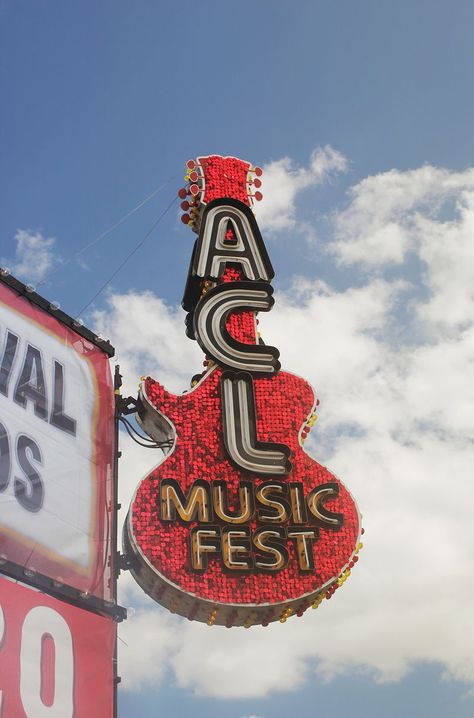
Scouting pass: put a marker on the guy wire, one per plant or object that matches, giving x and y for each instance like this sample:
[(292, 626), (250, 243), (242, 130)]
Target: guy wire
[(105, 232), (129, 256)]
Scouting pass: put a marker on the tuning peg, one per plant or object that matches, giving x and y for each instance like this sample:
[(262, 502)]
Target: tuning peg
[(191, 176), (183, 193), (185, 218), (190, 164), (257, 170), (185, 206), (258, 196), (256, 183)]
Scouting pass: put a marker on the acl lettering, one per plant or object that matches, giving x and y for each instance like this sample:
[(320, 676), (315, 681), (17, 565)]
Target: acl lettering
[(24, 381), (207, 323)]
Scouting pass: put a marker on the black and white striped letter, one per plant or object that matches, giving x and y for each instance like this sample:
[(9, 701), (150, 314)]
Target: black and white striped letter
[(210, 320), (213, 253), (240, 435)]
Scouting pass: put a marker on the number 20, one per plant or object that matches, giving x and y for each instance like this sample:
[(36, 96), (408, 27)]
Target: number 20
[(42, 621)]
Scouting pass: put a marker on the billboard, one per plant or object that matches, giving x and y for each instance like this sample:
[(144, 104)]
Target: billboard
[(56, 445), (56, 660), (238, 526)]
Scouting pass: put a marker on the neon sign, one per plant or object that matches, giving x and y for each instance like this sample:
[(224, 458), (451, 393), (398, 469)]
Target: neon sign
[(238, 525)]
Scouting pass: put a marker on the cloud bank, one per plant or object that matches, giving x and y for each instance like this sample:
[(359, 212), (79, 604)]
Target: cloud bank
[(391, 356), (34, 255), (284, 180)]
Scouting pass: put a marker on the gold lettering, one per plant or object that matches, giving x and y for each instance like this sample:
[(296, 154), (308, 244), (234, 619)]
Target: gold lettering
[(304, 548), (315, 504), (221, 503), (265, 495), (203, 542), (173, 501), (299, 513), (270, 542), (235, 546)]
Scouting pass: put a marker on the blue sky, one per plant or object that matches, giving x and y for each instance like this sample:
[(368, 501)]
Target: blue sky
[(361, 114)]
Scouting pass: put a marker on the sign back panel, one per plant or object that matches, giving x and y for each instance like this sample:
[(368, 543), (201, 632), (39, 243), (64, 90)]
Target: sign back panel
[(56, 448), (55, 659)]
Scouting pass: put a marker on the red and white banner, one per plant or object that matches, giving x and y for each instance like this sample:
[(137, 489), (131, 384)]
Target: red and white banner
[(56, 660), (56, 448)]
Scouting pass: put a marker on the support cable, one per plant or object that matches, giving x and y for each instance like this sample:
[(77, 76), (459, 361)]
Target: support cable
[(129, 256), (105, 232), (146, 442)]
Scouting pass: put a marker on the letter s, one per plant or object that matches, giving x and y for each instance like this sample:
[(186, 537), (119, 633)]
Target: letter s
[(29, 492)]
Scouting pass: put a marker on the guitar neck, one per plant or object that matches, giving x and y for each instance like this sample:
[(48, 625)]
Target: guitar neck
[(212, 178), (240, 325)]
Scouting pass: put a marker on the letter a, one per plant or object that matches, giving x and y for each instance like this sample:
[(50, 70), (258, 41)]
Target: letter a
[(213, 253)]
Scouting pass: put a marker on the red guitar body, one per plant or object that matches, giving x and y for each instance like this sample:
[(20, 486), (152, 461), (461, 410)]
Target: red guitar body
[(284, 403)]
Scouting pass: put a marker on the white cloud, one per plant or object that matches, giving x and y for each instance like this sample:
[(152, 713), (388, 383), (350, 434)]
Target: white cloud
[(34, 255), (149, 336), (237, 664), (390, 214), (396, 424), (157, 632), (283, 180)]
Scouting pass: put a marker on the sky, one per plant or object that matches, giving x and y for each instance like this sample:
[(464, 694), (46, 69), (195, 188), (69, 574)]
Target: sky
[(361, 115)]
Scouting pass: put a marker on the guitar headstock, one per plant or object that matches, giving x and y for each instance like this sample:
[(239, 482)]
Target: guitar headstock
[(216, 177)]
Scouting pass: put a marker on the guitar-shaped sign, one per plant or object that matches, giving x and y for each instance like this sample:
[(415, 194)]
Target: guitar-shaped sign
[(238, 525)]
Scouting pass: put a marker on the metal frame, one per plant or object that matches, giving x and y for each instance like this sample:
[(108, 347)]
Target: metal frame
[(115, 554), (62, 591), (26, 291)]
